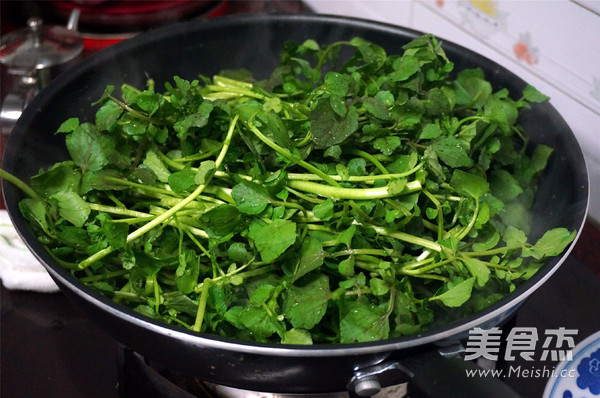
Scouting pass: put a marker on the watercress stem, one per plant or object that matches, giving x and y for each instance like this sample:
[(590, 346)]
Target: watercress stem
[(159, 219)]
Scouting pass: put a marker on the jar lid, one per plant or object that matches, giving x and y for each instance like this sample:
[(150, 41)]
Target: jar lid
[(38, 46)]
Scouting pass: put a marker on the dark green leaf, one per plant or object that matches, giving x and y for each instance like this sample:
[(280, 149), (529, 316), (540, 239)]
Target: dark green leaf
[(89, 149), (328, 128), (304, 306), (363, 321), (250, 197), (182, 180), (272, 239), (451, 151), (72, 207), (311, 257), (456, 295), (531, 94), (469, 184)]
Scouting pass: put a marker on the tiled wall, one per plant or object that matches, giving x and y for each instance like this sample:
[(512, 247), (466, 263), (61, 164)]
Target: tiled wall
[(552, 44)]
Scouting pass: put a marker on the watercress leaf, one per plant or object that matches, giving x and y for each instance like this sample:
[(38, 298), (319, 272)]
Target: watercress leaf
[(72, 207), (145, 310), (258, 321), (149, 102), (312, 74), (107, 115), (261, 294), (328, 128), (531, 94), (517, 214), (89, 149), (345, 237), (404, 67), (133, 126), (205, 171), (379, 287), (336, 83), (432, 163), (342, 171), (74, 237), (471, 88), (238, 252), (456, 295), (357, 167), (297, 336), (527, 168), (60, 177), (234, 315), (372, 54), (311, 257), (250, 197), (490, 241), (333, 151), (153, 162), (409, 114), (504, 186), (346, 266), (469, 184), (182, 180), (503, 113), (513, 236), (272, 239), (101, 180), (376, 108), (222, 221), (186, 276), (127, 258), (182, 303), (197, 119), (478, 269), (35, 210), (217, 298), (324, 211), (430, 131), (451, 151), (553, 243), (68, 125), (387, 145), (363, 321), (116, 233), (304, 306)]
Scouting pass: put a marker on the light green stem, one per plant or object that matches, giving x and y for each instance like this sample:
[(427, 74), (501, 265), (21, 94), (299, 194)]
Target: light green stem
[(352, 193), (164, 216), (5, 175), (201, 305)]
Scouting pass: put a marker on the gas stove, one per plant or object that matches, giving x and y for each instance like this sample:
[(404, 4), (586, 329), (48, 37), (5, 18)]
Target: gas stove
[(51, 349)]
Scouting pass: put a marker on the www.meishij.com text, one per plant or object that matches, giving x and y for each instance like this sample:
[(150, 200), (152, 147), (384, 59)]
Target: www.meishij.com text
[(522, 371)]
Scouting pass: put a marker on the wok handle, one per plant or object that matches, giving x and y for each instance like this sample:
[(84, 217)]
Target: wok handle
[(434, 375)]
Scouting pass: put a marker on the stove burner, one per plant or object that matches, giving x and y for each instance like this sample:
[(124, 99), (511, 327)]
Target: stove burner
[(140, 377)]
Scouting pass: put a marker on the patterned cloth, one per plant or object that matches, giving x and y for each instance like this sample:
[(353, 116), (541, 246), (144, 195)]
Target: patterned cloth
[(19, 269)]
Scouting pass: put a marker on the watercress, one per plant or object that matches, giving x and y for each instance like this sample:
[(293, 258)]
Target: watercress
[(353, 196)]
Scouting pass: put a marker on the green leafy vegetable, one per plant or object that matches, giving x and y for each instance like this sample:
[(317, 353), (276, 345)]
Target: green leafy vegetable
[(352, 196)]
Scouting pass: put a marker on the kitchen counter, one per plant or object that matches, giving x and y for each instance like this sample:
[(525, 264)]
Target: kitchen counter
[(49, 348)]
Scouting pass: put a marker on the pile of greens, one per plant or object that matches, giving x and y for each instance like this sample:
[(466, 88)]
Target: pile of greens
[(352, 196)]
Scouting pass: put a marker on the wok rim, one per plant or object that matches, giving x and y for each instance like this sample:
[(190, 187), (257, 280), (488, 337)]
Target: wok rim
[(438, 335)]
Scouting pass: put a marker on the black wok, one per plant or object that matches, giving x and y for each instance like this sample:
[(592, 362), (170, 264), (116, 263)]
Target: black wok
[(253, 42)]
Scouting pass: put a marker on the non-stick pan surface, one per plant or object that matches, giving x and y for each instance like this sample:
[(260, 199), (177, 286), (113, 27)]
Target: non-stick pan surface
[(253, 42)]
